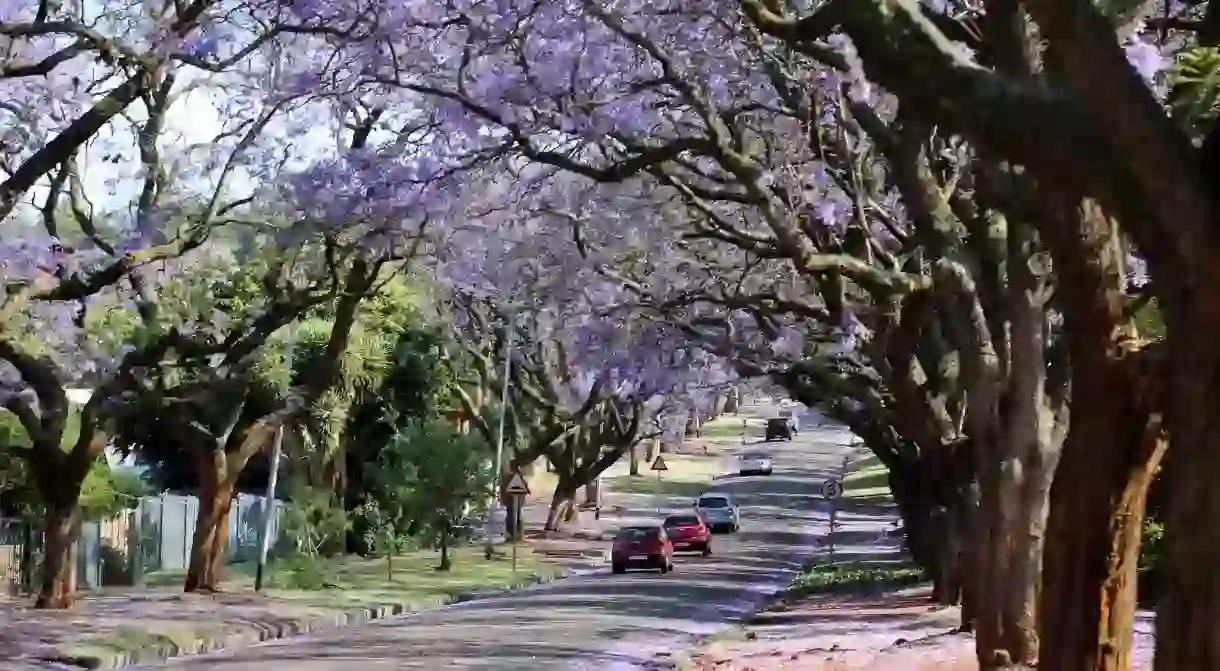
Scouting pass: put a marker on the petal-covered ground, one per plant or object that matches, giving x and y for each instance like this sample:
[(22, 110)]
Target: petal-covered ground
[(894, 631)]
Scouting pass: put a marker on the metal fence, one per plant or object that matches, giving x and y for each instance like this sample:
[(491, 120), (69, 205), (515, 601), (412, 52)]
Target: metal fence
[(122, 550)]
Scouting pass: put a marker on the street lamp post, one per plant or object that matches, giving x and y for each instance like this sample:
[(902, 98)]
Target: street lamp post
[(499, 473), (269, 507)]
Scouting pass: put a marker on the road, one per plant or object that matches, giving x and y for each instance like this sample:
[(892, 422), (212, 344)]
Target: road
[(602, 621)]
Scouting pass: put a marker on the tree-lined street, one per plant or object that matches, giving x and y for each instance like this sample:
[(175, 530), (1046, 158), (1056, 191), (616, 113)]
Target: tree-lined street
[(602, 621)]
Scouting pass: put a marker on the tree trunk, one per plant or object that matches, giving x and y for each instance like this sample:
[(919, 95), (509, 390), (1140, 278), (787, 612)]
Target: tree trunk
[(732, 404), (1025, 583), (1188, 611), (62, 526), (563, 499), (446, 560), (991, 571), (634, 455), (211, 533), (1096, 518)]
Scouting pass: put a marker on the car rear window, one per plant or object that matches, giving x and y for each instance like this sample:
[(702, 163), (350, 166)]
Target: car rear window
[(778, 421), (754, 456), (713, 502), (681, 520), (638, 533)]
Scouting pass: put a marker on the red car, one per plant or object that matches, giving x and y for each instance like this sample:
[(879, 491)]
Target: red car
[(646, 547), (688, 532)]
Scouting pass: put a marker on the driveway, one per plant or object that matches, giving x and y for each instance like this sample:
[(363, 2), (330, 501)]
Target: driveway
[(602, 621)]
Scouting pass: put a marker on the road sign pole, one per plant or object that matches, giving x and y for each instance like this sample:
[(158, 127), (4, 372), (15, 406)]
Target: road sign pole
[(831, 491), (508, 367), (518, 488), (659, 466), (518, 501)]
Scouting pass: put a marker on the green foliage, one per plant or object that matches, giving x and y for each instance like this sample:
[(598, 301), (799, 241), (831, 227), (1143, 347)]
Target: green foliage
[(850, 577), (311, 521), (1150, 321), (1152, 548), (386, 529), (1194, 88), (305, 572), (104, 493), (436, 476), (107, 492)]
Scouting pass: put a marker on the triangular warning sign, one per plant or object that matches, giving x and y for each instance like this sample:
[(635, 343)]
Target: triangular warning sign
[(517, 485), (659, 464)]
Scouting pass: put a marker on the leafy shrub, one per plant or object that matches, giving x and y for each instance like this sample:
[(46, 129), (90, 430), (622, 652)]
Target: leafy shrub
[(850, 577), (312, 521), (304, 572), (1150, 559)]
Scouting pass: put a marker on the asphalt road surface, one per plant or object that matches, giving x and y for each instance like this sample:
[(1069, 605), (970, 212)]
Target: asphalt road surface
[(603, 621)]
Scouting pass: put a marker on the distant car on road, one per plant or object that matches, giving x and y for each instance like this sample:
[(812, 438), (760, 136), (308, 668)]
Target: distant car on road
[(718, 512), (688, 532), (755, 463), (646, 547), (778, 428)]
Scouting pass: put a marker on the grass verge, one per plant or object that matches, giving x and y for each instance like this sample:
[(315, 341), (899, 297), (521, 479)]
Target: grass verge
[(868, 479), (730, 426), (356, 581), (688, 476), (298, 591), (851, 577)]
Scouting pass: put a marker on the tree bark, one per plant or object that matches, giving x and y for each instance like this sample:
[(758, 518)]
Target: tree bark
[(446, 560), (58, 589), (1188, 610), (211, 535), (562, 500), (1097, 512), (991, 570)]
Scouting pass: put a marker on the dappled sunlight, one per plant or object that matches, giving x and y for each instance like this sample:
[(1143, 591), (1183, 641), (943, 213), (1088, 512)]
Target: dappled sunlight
[(600, 620)]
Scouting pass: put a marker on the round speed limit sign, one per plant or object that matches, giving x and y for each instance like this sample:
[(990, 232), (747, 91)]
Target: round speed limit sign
[(832, 489)]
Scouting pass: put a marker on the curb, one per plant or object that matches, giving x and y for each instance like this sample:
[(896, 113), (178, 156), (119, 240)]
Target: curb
[(271, 631)]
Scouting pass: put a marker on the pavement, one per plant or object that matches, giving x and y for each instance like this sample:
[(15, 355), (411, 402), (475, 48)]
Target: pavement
[(599, 620)]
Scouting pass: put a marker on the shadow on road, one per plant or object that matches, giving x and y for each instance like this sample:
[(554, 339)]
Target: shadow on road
[(605, 621)]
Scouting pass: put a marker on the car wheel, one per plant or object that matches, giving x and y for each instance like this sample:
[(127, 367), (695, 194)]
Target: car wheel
[(618, 568)]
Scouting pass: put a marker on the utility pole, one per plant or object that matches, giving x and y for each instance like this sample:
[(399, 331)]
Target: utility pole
[(508, 362), (277, 450)]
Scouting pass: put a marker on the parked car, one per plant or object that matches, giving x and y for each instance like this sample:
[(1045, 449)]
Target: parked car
[(718, 512), (778, 428), (646, 547), (755, 463), (688, 532)]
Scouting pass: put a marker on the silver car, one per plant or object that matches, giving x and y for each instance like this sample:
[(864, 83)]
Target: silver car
[(755, 463), (719, 512)]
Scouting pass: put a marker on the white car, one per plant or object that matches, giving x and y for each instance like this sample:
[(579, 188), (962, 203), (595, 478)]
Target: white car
[(755, 463)]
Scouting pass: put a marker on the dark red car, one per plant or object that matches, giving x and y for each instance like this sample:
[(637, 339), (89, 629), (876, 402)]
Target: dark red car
[(688, 532), (646, 547)]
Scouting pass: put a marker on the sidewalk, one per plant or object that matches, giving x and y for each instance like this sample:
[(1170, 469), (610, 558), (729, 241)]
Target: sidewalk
[(894, 629)]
